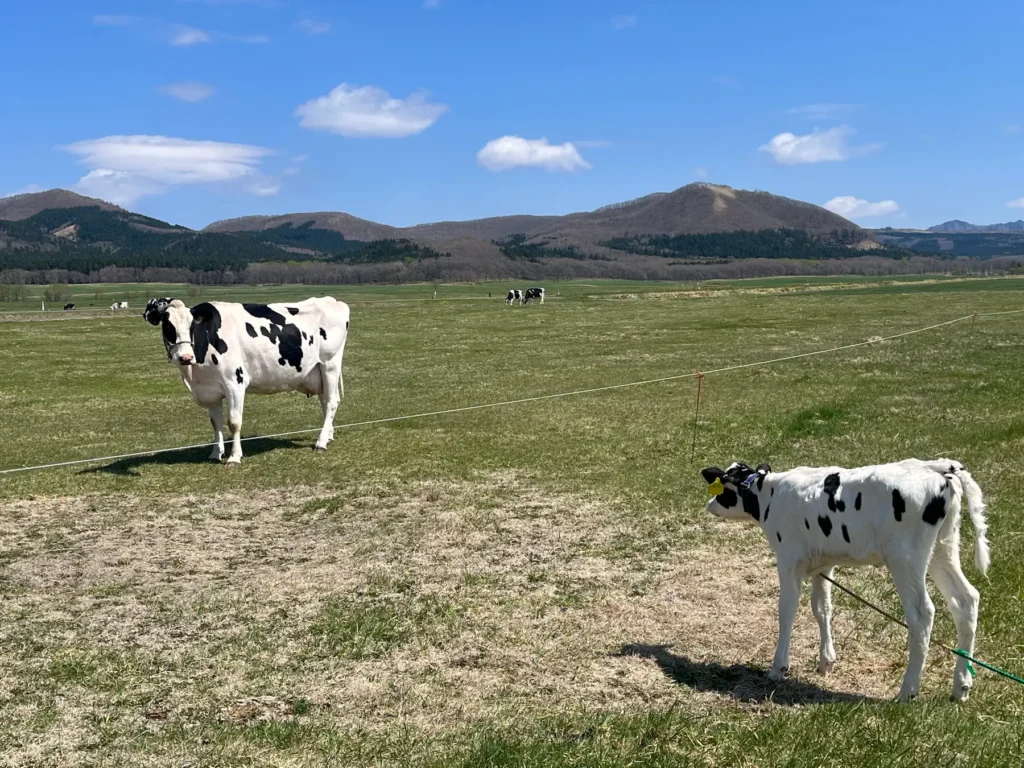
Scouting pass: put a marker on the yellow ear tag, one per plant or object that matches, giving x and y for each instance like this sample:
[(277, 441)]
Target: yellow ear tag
[(716, 487)]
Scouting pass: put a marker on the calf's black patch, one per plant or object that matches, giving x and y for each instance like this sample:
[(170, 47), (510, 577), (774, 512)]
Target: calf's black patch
[(846, 535), (751, 505), (779, 536), (250, 330), (899, 506), (214, 358), (238, 375), (856, 502), (206, 331), (934, 511), (825, 523), (806, 524), (766, 510), (831, 486), (727, 498), (293, 311), (323, 333)]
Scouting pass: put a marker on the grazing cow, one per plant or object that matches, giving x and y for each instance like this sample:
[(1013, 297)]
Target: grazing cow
[(119, 305), (533, 293), (514, 295), (69, 306), (225, 350), (905, 516)]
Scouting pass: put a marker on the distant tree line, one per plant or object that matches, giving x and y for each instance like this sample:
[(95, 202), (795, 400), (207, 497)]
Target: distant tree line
[(516, 247)]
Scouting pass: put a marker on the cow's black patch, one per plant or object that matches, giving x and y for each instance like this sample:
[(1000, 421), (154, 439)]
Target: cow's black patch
[(346, 325), (293, 311), (206, 331), (751, 504), (239, 374), (846, 535), (169, 334), (825, 523), (727, 498), (251, 331), (214, 358), (766, 510), (856, 502), (323, 334), (840, 505), (289, 342), (760, 481), (772, 491), (806, 524), (778, 536), (831, 485), (934, 511), (264, 312), (303, 335), (899, 506)]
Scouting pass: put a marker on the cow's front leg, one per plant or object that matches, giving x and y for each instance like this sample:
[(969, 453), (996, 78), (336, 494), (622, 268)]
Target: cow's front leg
[(329, 400), (217, 420), (235, 401), (789, 600)]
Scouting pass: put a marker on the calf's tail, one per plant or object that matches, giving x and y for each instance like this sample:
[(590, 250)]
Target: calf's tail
[(976, 509)]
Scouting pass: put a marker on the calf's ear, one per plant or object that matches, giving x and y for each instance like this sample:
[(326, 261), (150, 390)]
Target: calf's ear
[(710, 474), (764, 469)]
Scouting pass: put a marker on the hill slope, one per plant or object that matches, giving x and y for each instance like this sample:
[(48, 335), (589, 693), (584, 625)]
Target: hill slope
[(18, 207)]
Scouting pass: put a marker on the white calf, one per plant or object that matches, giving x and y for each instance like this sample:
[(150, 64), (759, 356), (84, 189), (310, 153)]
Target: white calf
[(905, 516)]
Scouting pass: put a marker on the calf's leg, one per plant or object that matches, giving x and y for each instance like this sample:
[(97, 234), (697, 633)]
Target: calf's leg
[(789, 600), (962, 598), (919, 612), (821, 607)]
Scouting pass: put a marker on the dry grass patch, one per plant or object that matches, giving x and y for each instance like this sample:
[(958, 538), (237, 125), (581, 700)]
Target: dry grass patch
[(433, 606)]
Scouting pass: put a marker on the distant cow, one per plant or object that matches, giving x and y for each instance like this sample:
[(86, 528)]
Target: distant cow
[(533, 293), (225, 350), (905, 516), (514, 295), (69, 306), (119, 305)]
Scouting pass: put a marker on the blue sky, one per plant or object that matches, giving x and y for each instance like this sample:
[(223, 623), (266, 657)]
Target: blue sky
[(406, 111)]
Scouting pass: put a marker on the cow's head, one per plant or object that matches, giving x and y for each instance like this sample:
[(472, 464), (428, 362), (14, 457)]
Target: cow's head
[(176, 322), (735, 490)]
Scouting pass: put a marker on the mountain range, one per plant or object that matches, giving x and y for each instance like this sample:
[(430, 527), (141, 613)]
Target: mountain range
[(956, 225)]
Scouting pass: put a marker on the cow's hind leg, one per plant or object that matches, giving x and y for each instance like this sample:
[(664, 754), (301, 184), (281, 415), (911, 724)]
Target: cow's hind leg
[(329, 400), (236, 401), (217, 420), (962, 598), (821, 607)]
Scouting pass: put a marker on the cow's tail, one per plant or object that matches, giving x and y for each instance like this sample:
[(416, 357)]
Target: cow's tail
[(959, 476)]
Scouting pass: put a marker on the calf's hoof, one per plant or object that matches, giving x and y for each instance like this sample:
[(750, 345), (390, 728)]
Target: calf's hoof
[(319, 448), (778, 675), (826, 667), (961, 694)]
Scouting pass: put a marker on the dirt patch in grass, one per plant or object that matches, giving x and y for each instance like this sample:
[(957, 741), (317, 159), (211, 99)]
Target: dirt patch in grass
[(433, 605)]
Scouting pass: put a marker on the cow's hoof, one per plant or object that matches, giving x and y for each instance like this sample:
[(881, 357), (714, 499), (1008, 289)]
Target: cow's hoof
[(319, 449), (215, 459), (826, 667), (778, 675)]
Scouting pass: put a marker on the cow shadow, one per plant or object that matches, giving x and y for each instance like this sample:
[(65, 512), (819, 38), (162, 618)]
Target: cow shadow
[(741, 682), (130, 467)]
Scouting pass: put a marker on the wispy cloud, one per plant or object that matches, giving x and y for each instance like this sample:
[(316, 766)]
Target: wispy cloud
[(1018, 203), (296, 165), (312, 27), (623, 22), (824, 111), (188, 91), (431, 4), (365, 111), (852, 207), (125, 168), (180, 35), (818, 147), (517, 152)]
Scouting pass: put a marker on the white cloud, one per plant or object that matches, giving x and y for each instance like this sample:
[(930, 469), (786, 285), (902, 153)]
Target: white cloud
[(189, 91), (300, 159), (431, 4), (364, 111), (183, 35), (515, 152), (265, 188), (854, 208), (125, 168), (27, 189), (313, 27), (700, 173), (826, 111), (623, 22), (1018, 203), (817, 147)]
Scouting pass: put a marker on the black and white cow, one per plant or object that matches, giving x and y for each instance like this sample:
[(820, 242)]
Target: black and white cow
[(904, 515), (119, 305), (514, 295), (69, 306), (225, 350), (533, 293)]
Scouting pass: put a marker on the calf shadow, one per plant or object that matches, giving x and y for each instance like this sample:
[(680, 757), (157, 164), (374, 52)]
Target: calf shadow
[(741, 682), (130, 467)]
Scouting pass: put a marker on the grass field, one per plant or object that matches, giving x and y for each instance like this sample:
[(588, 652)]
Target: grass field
[(528, 585)]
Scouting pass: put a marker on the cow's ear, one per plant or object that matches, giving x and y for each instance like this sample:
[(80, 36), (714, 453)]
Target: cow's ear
[(155, 310), (764, 469), (710, 474)]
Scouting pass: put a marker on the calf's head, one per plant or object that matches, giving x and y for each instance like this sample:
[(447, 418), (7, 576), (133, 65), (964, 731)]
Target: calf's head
[(175, 320), (735, 492)]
